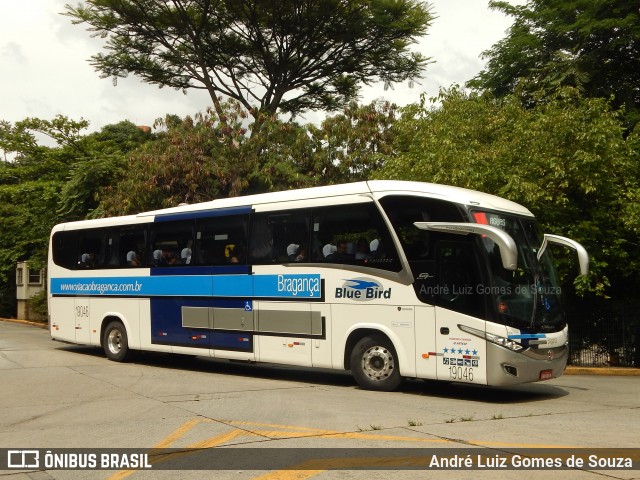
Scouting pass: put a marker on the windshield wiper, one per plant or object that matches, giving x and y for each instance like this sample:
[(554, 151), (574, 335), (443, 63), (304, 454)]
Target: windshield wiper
[(536, 292)]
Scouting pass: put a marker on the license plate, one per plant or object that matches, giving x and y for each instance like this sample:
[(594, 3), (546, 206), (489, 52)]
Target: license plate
[(546, 374)]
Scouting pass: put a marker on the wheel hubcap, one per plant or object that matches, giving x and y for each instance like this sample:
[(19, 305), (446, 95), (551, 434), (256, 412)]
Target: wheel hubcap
[(114, 341), (378, 363)]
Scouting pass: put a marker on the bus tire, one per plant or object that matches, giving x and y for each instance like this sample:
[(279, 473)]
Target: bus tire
[(115, 342), (374, 364)]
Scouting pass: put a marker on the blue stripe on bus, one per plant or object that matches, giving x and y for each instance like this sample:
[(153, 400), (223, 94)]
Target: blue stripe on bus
[(527, 336), (171, 217), (303, 286)]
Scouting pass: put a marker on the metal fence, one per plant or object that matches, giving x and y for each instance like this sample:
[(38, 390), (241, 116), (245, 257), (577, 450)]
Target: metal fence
[(599, 341)]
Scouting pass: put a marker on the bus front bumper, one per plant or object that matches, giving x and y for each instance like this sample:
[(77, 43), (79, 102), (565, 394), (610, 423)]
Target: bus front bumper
[(506, 367)]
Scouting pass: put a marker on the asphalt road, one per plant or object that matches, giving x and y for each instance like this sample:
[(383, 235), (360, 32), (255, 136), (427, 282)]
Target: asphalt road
[(55, 396)]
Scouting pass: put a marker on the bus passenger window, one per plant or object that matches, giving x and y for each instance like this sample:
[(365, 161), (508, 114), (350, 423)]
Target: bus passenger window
[(92, 249), (65, 248), (129, 246), (279, 237), (168, 241), (353, 234), (221, 240)]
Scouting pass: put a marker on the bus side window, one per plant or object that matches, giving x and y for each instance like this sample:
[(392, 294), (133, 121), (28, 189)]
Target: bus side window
[(65, 248), (221, 240), (353, 234), (93, 249), (129, 246), (274, 233), (167, 242)]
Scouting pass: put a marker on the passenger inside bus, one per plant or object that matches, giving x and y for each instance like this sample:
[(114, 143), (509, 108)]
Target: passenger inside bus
[(340, 254), (373, 246), (296, 252), (327, 251), (185, 256), (292, 251), (164, 257), (233, 253), (362, 250), (133, 260), (87, 260), (302, 254)]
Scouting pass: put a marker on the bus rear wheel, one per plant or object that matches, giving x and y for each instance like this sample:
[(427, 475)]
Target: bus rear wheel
[(115, 342), (374, 364)]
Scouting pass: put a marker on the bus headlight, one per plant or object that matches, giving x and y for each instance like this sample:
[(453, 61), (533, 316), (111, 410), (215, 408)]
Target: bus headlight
[(496, 339)]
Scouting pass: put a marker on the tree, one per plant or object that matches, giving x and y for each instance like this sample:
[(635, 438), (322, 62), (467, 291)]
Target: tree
[(288, 55), (102, 163), (30, 186), (182, 165), (41, 186), (203, 158), (355, 142), (593, 45)]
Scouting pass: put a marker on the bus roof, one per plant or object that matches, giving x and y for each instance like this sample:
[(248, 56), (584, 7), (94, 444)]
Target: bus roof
[(377, 188)]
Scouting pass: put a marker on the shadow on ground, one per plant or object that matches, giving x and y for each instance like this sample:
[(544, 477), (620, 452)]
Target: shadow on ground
[(429, 388)]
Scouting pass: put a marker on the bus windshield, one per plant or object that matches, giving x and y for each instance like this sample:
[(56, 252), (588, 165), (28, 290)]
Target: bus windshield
[(530, 296)]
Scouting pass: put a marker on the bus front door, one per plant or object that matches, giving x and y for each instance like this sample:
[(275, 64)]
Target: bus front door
[(461, 355)]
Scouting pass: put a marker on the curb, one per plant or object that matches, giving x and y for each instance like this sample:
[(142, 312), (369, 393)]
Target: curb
[(610, 371), (43, 325)]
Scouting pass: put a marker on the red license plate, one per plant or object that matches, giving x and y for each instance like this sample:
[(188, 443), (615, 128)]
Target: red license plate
[(546, 374)]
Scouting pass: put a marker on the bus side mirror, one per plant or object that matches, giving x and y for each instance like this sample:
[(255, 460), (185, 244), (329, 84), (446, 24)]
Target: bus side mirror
[(506, 244), (583, 256)]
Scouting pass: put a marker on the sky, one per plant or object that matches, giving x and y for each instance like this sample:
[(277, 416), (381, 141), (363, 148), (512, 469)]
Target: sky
[(45, 69)]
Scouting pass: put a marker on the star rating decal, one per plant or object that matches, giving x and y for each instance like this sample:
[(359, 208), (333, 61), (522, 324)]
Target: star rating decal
[(460, 351)]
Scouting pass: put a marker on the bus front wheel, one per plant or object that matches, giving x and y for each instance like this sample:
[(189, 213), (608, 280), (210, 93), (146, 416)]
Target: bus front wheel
[(374, 364), (115, 342)]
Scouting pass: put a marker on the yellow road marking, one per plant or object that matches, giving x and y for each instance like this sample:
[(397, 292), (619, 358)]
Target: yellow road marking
[(164, 443), (275, 425), (288, 431), (311, 467), (220, 439), (178, 433)]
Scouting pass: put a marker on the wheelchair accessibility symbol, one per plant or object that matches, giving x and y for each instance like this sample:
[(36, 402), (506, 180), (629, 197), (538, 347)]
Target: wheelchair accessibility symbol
[(247, 306)]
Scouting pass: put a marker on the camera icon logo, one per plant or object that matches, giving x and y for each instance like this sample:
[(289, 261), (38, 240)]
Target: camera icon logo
[(23, 459)]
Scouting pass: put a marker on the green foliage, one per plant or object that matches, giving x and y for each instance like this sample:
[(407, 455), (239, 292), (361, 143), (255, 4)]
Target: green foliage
[(38, 304), (64, 131), (14, 139), (102, 164), (41, 186), (286, 55), (212, 156), (190, 161), (593, 45), (566, 159), (356, 141), (30, 186), (27, 213)]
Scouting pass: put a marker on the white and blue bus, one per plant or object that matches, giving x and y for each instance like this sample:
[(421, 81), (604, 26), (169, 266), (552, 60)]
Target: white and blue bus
[(387, 279)]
